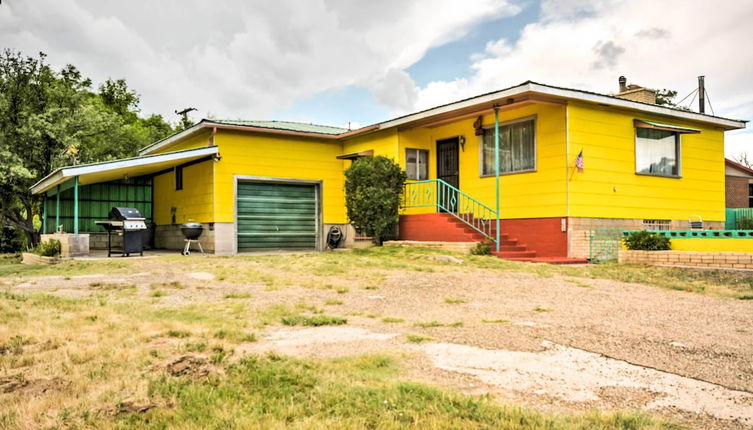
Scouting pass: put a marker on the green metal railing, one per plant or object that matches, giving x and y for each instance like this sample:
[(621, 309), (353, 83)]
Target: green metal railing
[(738, 218), (438, 194)]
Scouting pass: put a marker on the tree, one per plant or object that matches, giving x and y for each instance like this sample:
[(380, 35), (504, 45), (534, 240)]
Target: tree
[(742, 158), (373, 186), (46, 117), (666, 97)]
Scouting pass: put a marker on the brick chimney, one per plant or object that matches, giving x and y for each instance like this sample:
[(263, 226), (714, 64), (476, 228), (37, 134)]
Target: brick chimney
[(635, 93)]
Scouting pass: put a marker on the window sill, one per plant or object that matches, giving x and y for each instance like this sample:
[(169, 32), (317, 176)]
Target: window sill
[(508, 173), (656, 175)]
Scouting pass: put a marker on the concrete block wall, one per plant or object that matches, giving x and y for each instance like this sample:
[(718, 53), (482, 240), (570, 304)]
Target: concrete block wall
[(170, 237), (719, 260), (71, 245), (578, 230)]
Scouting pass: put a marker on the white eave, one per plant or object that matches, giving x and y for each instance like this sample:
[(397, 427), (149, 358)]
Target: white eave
[(499, 97), (111, 170)]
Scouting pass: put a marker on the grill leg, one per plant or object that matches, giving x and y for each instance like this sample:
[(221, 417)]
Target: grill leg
[(186, 248), (200, 248)]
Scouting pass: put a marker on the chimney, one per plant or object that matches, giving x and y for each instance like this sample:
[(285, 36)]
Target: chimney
[(701, 94), (623, 84), (635, 93)]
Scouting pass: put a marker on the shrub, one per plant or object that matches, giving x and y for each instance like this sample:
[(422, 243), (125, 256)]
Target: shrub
[(646, 241), (482, 248), (373, 186), (11, 240), (48, 248)]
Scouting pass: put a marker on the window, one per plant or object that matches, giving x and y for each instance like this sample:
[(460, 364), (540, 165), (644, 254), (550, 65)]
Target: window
[(750, 195), (517, 148), (657, 152), (178, 178), (657, 224), (417, 164)]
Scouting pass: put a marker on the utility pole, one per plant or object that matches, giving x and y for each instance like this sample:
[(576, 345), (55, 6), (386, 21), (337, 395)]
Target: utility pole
[(185, 122)]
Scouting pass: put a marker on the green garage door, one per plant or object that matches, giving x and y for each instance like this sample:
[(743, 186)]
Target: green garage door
[(276, 216)]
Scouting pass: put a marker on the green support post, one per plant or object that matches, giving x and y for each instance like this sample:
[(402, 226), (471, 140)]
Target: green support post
[(496, 165), (44, 213), (57, 209), (75, 205)]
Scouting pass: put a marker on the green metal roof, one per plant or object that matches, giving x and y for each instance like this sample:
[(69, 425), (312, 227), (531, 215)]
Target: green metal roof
[(283, 125)]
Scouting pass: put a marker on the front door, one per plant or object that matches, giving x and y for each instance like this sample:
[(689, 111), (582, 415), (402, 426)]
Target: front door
[(448, 170)]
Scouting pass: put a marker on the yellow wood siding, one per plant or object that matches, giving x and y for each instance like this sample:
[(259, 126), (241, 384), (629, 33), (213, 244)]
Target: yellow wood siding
[(284, 157), (609, 186), (195, 202), (522, 195), (383, 143)]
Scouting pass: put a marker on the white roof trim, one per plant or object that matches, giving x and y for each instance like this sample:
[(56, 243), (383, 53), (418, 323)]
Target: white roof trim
[(565, 93), (62, 174), (172, 139)]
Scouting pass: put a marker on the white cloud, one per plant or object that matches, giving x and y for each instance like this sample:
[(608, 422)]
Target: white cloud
[(239, 58), (587, 45)]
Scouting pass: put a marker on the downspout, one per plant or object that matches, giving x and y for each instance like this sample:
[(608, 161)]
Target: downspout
[(496, 166), (44, 213)]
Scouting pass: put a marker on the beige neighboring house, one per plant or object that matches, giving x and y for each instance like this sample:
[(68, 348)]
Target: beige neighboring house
[(738, 185)]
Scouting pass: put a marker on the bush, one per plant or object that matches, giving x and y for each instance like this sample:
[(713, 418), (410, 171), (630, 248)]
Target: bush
[(373, 186), (49, 248), (11, 240), (483, 248), (646, 241)]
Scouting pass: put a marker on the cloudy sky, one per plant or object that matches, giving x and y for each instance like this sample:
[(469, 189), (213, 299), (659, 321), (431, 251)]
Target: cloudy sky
[(337, 62)]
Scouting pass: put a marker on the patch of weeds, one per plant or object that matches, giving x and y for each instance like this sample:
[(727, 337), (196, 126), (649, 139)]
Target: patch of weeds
[(428, 324), (540, 309), (274, 313), (746, 297), (219, 354), (497, 321), (333, 302), (107, 286), (157, 293), (243, 295), (237, 336), (578, 283), (417, 338), (342, 290), (196, 347), (91, 318), (313, 321), (454, 301), (15, 345), (154, 353), (456, 324), (7, 295), (371, 315), (371, 287), (174, 284), (181, 334), (392, 320)]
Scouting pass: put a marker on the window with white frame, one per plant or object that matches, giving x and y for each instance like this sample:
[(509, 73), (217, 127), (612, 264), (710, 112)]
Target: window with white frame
[(417, 164), (517, 148), (657, 152)]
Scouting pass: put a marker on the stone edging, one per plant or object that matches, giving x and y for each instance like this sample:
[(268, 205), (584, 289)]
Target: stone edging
[(720, 260)]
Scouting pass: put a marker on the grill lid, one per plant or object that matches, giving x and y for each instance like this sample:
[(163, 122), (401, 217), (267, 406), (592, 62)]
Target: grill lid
[(123, 214)]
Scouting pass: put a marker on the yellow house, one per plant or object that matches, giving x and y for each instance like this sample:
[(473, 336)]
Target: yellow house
[(569, 161)]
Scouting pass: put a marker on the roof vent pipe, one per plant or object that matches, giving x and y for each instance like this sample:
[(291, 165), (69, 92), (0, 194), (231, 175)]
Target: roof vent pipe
[(701, 95), (623, 84)]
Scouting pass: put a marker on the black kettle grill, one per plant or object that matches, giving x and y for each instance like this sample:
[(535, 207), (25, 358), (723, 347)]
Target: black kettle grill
[(191, 231)]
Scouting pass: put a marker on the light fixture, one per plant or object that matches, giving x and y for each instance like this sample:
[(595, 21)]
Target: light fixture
[(462, 142)]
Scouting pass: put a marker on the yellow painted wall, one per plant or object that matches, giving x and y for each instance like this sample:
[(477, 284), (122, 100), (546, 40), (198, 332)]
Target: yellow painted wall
[(536, 194), (609, 187), (278, 156), (712, 245), (384, 143), (195, 202)]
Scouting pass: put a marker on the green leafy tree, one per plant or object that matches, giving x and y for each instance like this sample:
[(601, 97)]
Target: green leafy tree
[(50, 119), (373, 186), (666, 97)]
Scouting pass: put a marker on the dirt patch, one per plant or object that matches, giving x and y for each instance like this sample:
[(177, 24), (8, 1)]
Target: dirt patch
[(193, 365), (575, 375), (322, 342), (200, 276), (19, 385)]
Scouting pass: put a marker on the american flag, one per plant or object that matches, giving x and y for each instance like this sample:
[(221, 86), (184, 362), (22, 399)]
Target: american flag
[(579, 164)]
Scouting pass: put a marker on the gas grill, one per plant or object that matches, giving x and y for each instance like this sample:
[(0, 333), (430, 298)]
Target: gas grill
[(128, 223)]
